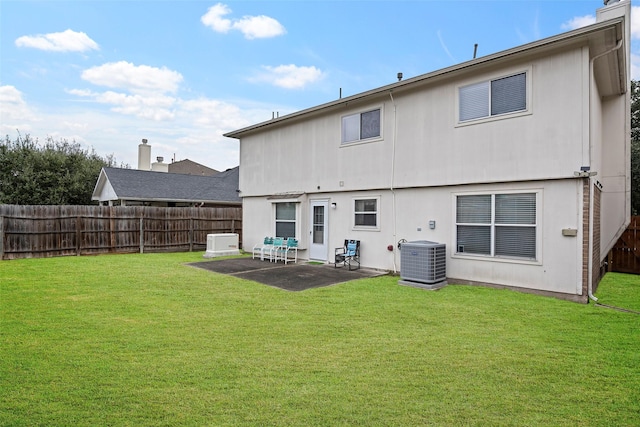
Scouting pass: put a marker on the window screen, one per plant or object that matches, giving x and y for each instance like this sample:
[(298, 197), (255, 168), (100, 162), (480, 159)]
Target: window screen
[(493, 97), (516, 208), (515, 225), (474, 239), (509, 94), (474, 101), (318, 224), (286, 220), (497, 225), (366, 212), (370, 124), (351, 128), (361, 126), (472, 210)]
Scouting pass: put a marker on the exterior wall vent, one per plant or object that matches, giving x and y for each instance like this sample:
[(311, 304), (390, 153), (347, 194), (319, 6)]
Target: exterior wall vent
[(423, 264)]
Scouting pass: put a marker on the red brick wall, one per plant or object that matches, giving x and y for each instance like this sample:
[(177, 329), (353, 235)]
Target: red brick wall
[(586, 187), (597, 270)]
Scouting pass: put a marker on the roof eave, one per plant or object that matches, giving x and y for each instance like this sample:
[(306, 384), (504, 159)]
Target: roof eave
[(568, 37), (165, 200)]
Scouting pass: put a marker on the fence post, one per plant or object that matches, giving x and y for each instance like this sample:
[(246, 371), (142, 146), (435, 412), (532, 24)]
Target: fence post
[(141, 234), (78, 235), (112, 227), (191, 234), (1, 237)]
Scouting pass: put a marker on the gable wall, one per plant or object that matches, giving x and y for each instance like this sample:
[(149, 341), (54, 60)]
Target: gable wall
[(421, 132)]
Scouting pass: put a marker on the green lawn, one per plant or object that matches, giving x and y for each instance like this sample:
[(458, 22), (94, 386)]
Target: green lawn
[(143, 340)]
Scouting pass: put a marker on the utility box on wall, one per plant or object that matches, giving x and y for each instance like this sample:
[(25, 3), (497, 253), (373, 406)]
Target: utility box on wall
[(222, 245)]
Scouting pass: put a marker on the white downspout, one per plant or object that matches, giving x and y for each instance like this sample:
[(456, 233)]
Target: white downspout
[(393, 174), (590, 255)]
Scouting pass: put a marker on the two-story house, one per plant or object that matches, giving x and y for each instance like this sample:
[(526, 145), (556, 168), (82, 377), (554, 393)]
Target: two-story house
[(518, 161)]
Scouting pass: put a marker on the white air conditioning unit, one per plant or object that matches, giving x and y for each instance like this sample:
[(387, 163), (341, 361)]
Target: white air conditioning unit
[(423, 263), (221, 245)]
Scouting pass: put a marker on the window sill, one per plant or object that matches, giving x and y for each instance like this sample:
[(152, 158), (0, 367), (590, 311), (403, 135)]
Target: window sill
[(360, 142), (494, 118), (501, 259), (363, 228)]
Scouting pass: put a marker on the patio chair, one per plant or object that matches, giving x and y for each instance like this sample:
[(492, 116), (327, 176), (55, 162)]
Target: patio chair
[(292, 247), (278, 244), (348, 255), (262, 248)]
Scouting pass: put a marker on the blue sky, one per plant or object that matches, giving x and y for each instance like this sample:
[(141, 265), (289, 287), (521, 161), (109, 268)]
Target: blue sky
[(181, 73)]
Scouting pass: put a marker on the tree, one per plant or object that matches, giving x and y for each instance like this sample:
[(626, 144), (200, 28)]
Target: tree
[(56, 173), (635, 147)]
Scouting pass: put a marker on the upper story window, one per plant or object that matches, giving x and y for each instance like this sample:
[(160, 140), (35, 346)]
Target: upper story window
[(360, 126), (493, 97)]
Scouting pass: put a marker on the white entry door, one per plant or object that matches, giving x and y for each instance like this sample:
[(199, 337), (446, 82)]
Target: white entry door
[(318, 247)]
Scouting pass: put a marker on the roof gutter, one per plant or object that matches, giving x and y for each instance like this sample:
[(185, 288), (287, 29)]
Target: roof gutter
[(162, 200), (567, 37)]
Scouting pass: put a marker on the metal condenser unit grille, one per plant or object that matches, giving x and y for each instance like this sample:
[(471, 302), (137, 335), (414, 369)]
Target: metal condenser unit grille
[(423, 261)]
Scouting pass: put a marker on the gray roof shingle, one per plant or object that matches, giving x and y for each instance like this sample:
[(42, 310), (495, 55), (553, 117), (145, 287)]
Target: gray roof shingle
[(148, 185)]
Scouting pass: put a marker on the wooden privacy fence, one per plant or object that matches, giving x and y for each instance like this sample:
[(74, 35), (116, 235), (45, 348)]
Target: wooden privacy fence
[(47, 231), (624, 257)]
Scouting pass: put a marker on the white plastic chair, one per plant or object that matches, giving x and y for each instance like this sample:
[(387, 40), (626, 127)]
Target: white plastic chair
[(262, 248), (278, 244), (292, 246)]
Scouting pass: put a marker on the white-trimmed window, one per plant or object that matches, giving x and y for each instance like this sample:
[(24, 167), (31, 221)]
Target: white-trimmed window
[(286, 214), (497, 225), (365, 213), (493, 97), (361, 126)]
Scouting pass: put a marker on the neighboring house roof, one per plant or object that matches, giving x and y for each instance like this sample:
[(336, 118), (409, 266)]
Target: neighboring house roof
[(190, 167), (611, 71), (133, 184)]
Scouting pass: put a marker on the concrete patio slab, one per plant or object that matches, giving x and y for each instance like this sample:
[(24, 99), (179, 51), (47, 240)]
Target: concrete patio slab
[(291, 277)]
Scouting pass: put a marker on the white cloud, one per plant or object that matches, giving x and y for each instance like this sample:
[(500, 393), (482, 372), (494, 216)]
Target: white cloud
[(289, 76), (259, 27), (583, 21), (140, 90), (635, 66), (184, 128), (214, 18), (152, 107), (635, 22), (157, 108), (253, 27), (66, 41), (137, 79), (15, 114), (578, 22), (211, 112), (444, 46), (635, 35), (10, 95)]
